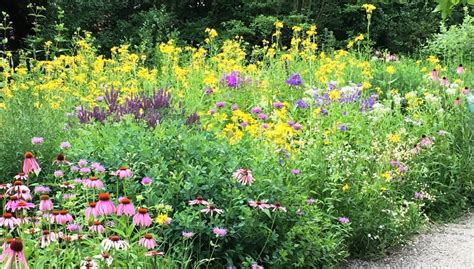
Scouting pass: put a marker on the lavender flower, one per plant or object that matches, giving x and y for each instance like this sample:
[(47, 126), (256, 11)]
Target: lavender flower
[(234, 107), (220, 104), (37, 140), (256, 110), (294, 80), (146, 181), (344, 220), (278, 105), (65, 145), (301, 104)]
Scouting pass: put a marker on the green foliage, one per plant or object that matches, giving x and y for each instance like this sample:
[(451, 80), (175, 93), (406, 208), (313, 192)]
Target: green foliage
[(455, 43)]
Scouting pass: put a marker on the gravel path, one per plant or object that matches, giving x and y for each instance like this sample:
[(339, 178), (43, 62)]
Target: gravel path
[(444, 246)]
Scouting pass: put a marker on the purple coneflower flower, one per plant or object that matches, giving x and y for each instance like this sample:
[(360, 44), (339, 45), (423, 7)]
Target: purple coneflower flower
[(147, 241), (244, 176), (460, 70), (142, 218), (198, 201), (211, 209)]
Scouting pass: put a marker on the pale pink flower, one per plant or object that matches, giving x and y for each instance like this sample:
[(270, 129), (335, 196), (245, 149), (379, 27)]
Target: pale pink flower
[(444, 82), (30, 164), (14, 255), (21, 176), (460, 69), (45, 203), (8, 220), (244, 176), (154, 253), (114, 242), (82, 163), (97, 227), (123, 172), (147, 241), (20, 190), (105, 257), (65, 145), (93, 183), (198, 201), (47, 238), (277, 207), (37, 140), (105, 206), (425, 141), (416, 149), (89, 263), (434, 75), (142, 218), (211, 209), (187, 234), (259, 204), (125, 207), (219, 232)]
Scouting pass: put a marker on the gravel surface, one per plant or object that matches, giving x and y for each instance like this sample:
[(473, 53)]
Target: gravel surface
[(444, 246)]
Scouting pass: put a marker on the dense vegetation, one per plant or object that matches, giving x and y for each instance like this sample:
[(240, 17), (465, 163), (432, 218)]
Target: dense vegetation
[(279, 150)]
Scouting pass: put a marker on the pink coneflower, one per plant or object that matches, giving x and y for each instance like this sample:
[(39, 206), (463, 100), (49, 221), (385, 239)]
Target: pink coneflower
[(211, 209), (425, 141), (97, 227), (259, 204), (219, 232), (114, 242), (30, 164), (63, 217), (277, 207), (45, 203), (460, 69), (146, 181), (93, 183), (343, 220), (457, 101), (147, 241), (123, 172), (37, 140), (142, 218), (198, 201), (23, 205), (434, 75), (244, 176), (20, 190), (47, 238), (444, 82), (52, 217), (21, 176), (61, 159), (91, 210), (105, 206), (416, 149), (154, 253), (187, 234), (89, 263), (14, 255), (12, 202), (8, 220), (125, 207), (65, 145), (105, 257)]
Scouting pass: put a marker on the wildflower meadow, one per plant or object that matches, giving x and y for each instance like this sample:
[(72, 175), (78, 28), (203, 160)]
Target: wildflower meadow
[(225, 155)]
